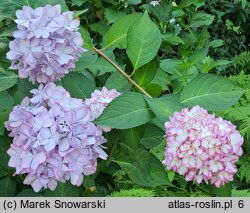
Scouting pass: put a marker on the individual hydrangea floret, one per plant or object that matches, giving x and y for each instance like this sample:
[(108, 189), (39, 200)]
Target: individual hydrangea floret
[(154, 3), (46, 44), (99, 101), (202, 147), (54, 138)]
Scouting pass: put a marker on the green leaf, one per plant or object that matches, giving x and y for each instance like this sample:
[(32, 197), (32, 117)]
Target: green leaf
[(134, 193), (7, 186), (143, 168), (152, 136), (4, 146), (117, 35), (29, 193), (78, 85), (117, 81), (100, 27), (211, 92), (63, 190), (131, 137), (158, 151), (223, 191), (127, 111), (164, 107), (144, 40), (78, 2), (87, 59), (112, 15), (200, 19), (240, 193), (101, 65), (172, 39), (198, 56), (216, 43), (24, 87), (6, 101), (162, 79), (41, 3), (146, 73), (172, 66), (86, 38), (9, 7), (7, 80), (153, 89), (4, 115)]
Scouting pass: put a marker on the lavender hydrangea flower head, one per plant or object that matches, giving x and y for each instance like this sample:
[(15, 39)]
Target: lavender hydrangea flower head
[(54, 138), (202, 147), (46, 44)]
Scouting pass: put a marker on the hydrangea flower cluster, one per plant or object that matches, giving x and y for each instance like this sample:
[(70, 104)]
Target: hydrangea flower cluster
[(46, 44), (202, 147), (54, 138), (99, 101)]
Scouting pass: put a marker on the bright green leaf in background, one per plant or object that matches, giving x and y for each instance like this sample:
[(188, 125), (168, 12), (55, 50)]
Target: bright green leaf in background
[(144, 40), (210, 91)]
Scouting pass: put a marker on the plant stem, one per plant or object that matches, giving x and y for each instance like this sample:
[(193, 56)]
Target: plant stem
[(121, 71)]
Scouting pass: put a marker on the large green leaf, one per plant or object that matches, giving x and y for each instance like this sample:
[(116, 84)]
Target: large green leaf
[(117, 35), (143, 168), (211, 92), (127, 111), (144, 40), (78, 85), (164, 106), (63, 190), (7, 80), (7, 186)]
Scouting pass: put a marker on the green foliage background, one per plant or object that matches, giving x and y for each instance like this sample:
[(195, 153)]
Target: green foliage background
[(175, 51)]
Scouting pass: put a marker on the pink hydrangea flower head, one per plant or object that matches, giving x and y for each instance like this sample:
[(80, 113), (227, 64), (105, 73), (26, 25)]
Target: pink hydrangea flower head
[(46, 44), (54, 138), (202, 147), (98, 101)]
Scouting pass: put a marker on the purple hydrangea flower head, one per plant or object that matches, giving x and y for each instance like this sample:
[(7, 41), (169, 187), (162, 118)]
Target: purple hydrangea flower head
[(98, 101), (46, 44), (54, 138), (202, 147)]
